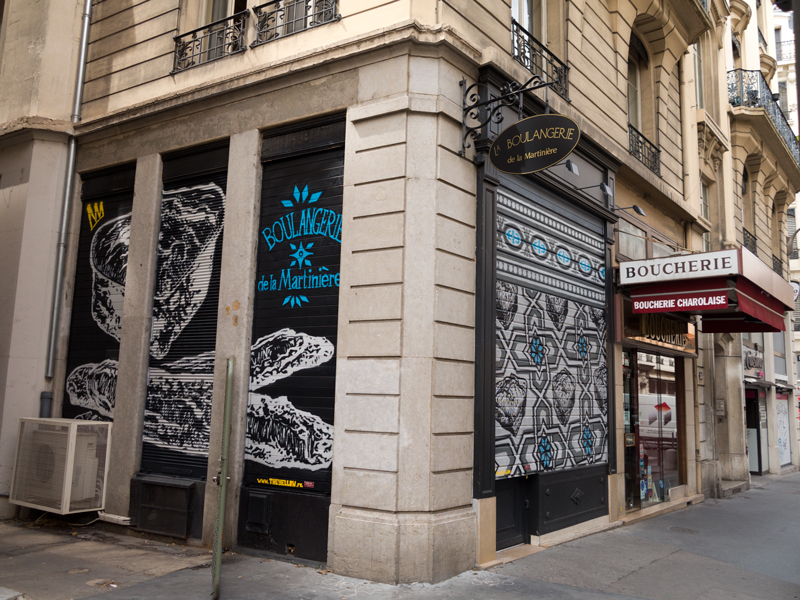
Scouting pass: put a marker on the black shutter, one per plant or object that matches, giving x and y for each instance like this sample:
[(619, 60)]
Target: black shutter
[(185, 302), (95, 326), (293, 357)]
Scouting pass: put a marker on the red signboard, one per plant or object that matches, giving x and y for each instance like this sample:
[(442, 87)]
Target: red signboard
[(679, 302)]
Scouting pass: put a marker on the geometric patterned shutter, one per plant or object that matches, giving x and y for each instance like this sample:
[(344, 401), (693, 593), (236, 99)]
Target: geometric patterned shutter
[(551, 377)]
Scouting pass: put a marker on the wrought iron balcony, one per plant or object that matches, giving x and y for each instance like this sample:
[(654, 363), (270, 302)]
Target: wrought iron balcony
[(643, 149), (750, 89), (785, 50), (534, 56), (280, 18), (762, 41), (777, 265), (750, 241), (211, 42)]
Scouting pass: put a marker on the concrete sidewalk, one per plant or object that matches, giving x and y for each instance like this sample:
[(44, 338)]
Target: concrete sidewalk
[(746, 547)]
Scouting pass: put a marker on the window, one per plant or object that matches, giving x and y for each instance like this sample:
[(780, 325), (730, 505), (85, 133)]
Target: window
[(699, 86), (707, 242), (634, 91), (532, 15), (632, 241), (704, 200), (216, 10), (784, 100), (660, 250), (753, 340)]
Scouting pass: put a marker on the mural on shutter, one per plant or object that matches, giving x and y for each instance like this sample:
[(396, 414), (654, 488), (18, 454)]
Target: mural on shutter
[(177, 415), (96, 322), (289, 439), (551, 399)]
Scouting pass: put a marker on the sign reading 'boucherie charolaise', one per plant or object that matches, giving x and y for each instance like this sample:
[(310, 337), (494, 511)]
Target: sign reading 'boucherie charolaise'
[(685, 266), (534, 144)]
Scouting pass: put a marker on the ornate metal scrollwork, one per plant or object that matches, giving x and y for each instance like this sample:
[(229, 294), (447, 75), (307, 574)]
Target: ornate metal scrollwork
[(478, 106)]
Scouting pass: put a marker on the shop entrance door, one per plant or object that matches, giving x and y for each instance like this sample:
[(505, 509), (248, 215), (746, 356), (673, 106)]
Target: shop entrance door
[(753, 431), (652, 445)]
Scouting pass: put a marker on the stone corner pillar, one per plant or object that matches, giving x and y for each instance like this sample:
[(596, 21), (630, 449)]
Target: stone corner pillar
[(401, 507)]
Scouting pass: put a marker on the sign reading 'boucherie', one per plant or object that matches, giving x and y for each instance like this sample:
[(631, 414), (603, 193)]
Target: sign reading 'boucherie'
[(679, 302), (534, 144), (686, 266)]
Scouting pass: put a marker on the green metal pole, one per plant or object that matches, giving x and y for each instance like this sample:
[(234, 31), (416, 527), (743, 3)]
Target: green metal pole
[(222, 480)]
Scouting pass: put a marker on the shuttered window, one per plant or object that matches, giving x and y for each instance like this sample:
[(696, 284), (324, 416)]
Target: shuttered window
[(99, 292), (185, 301), (551, 378), (293, 356)]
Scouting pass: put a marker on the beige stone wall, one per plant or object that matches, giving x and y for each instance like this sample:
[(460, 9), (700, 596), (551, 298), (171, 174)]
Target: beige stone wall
[(39, 57), (32, 170), (402, 480)]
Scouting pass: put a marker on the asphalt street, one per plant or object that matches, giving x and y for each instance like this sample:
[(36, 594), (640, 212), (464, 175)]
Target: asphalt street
[(742, 548)]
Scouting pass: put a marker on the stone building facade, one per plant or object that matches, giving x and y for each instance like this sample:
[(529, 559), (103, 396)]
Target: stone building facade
[(434, 359)]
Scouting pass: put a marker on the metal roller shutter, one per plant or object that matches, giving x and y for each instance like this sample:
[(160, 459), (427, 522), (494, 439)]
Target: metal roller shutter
[(99, 291), (293, 364), (551, 375), (182, 343)]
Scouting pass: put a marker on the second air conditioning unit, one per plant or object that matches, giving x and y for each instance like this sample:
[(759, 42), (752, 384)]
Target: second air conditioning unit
[(61, 465)]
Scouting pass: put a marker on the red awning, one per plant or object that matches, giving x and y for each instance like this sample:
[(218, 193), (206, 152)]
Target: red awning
[(751, 299), (757, 311)]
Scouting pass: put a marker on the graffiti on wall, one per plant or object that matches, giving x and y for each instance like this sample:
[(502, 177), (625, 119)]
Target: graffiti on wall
[(91, 381), (180, 381), (289, 435), (551, 375)]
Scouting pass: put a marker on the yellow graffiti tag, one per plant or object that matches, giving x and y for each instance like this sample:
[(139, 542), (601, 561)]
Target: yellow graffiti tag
[(94, 214)]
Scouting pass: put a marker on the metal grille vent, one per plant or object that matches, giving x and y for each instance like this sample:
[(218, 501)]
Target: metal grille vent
[(166, 507)]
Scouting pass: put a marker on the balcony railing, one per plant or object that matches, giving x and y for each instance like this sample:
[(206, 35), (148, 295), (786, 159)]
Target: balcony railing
[(643, 149), (777, 265), (749, 89), (785, 50), (280, 18), (534, 56), (750, 241), (762, 41), (211, 42)]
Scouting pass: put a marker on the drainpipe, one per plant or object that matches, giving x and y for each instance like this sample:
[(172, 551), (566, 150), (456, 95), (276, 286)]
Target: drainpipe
[(69, 180)]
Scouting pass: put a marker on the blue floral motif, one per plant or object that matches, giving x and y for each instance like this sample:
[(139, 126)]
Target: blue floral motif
[(301, 256), (545, 449), (294, 300), (587, 440), (538, 351), (583, 347), (301, 197)]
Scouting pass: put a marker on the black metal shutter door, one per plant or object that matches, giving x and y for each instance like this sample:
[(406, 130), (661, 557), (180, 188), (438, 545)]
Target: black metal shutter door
[(551, 374), (185, 302), (95, 324), (293, 362)]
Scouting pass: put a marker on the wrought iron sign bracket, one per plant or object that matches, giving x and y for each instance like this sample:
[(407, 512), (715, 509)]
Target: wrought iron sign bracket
[(476, 108)]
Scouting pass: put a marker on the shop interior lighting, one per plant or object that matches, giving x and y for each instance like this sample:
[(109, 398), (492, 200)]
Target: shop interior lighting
[(636, 208), (605, 189)]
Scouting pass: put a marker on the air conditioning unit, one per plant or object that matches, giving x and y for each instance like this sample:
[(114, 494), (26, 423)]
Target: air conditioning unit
[(61, 465)]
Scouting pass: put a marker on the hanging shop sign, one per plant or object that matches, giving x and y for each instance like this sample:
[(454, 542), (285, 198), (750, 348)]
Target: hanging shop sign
[(655, 329), (753, 363), (674, 268), (795, 289), (534, 144)]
